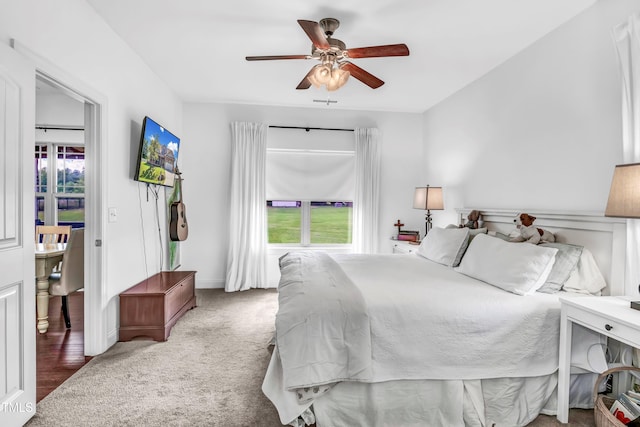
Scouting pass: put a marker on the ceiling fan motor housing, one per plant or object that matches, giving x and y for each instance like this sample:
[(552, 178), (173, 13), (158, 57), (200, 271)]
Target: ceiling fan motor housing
[(337, 48), (329, 25)]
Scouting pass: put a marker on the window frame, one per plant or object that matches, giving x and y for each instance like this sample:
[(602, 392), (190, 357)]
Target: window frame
[(305, 229), (51, 195)]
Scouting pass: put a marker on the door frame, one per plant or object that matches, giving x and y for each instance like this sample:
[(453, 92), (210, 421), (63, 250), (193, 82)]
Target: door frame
[(95, 119)]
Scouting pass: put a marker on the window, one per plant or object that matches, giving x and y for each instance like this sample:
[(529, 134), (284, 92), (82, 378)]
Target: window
[(330, 222), (285, 221), (310, 186), (41, 168), (70, 169), (309, 222), (62, 203)]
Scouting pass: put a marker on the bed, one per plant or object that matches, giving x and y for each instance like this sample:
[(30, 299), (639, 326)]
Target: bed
[(465, 332)]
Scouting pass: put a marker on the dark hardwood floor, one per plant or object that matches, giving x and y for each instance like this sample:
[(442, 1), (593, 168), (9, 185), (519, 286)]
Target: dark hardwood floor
[(60, 351)]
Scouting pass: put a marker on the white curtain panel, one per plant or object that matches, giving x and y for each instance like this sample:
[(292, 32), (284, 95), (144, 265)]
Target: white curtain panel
[(367, 189), (246, 261), (627, 39)]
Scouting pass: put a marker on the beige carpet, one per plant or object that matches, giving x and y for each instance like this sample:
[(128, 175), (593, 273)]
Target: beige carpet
[(208, 373)]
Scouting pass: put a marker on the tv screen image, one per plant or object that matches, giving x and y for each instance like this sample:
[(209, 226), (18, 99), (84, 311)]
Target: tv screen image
[(158, 155)]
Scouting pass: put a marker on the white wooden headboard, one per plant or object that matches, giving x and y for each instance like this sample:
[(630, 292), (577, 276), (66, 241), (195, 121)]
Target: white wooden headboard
[(605, 237)]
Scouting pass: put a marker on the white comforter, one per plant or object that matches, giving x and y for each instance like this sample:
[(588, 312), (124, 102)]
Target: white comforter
[(322, 326), (405, 318)]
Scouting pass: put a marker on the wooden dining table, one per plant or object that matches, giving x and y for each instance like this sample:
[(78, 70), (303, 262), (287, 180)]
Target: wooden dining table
[(48, 256)]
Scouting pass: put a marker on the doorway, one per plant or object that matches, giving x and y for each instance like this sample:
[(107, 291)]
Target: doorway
[(60, 168), (84, 112), (18, 70)]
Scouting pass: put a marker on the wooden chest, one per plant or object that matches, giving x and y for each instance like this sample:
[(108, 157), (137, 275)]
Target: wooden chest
[(154, 305)]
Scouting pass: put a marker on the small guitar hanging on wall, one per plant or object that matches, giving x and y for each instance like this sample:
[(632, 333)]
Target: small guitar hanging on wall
[(178, 228)]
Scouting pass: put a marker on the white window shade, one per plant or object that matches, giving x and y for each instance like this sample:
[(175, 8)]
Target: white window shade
[(310, 175)]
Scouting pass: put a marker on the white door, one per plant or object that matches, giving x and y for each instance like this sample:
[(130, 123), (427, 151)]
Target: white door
[(17, 265)]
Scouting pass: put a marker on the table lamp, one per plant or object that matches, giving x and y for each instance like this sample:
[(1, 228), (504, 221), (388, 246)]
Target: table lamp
[(624, 197), (428, 198)]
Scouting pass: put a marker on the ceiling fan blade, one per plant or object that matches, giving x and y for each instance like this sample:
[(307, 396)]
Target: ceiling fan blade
[(315, 33), (378, 51), (362, 75), (268, 58), (305, 83)]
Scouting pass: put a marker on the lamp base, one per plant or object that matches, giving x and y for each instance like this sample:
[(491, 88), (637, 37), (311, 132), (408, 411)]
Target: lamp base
[(635, 305), (427, 223)]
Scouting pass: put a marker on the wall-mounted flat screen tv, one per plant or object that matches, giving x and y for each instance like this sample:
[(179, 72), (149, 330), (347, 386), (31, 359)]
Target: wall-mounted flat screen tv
[(158, 155)]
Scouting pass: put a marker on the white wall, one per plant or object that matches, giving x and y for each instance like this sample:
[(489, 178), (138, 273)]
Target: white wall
[(56, 110), (70, 36), (543, 130), (205, 159), (53, 109)]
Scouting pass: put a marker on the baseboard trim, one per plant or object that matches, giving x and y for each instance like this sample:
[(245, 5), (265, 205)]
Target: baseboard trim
[(112, 337), (209, 284)]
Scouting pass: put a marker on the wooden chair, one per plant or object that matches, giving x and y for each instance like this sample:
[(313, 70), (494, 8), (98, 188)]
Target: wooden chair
[(53, 233), (71, 276)]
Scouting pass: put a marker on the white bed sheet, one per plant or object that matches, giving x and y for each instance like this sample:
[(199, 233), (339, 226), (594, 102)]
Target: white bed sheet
[(501, 401), (428, 321), (509, 402), (517, 336)]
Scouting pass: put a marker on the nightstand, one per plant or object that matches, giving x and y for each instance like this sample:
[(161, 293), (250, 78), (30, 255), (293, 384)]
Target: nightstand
[(403, 247), (610, 316)]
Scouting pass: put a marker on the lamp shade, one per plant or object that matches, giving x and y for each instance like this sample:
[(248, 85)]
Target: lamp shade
[(624, 196), (428, 198)]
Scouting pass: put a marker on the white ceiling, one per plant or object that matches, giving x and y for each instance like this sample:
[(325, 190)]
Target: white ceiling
[(198, 47)]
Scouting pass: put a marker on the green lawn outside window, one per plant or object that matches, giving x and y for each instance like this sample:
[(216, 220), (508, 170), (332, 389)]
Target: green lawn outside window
[(329, 225)]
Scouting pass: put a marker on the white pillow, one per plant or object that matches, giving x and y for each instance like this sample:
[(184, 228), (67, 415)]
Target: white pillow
[(586, 277), (445, 245), (521, 268), (473, 232)]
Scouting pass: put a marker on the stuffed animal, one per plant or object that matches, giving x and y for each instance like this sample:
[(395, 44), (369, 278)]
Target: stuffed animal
[(473, 218), (529, 233)]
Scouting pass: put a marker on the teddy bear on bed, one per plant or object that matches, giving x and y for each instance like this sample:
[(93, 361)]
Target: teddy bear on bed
[(529, 233), (472, 220)]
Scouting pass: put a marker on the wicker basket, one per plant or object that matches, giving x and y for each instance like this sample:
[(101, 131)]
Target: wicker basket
[(601, 413)]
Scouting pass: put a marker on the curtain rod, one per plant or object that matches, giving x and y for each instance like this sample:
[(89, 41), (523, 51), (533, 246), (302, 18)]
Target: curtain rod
[(45, 128), (307, 128)]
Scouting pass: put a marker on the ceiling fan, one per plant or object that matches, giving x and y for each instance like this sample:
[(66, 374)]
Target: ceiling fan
[(334, 69)]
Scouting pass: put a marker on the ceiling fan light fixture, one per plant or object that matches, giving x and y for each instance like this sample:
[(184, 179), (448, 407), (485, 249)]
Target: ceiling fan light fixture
[(312, 76), (339, 77), (321, 75)]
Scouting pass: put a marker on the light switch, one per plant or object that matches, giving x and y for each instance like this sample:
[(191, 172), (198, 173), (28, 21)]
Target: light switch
[(113, 215)]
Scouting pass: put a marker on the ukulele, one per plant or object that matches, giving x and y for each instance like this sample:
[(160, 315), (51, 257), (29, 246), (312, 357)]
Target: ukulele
[(178, 228)]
